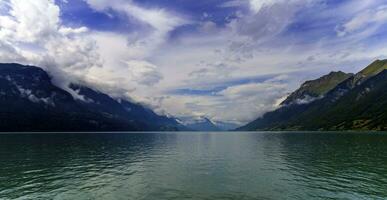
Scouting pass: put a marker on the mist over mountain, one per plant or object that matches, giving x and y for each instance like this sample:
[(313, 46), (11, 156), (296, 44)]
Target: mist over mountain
[(30, 102), (315, 89), (228, 60), (202, 123), (358, 102)]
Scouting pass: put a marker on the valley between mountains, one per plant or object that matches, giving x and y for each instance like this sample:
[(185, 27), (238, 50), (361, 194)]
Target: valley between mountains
[(29, 101)]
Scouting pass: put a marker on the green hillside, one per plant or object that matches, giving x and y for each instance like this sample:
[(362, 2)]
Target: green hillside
[(357, 103), (317, 88), (374, 68)]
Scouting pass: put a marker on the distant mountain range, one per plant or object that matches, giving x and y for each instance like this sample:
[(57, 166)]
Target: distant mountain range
[(337, 101), (201, 123), (30, 102)]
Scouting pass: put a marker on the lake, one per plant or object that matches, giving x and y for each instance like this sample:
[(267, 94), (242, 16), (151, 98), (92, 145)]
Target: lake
[(230, 165)]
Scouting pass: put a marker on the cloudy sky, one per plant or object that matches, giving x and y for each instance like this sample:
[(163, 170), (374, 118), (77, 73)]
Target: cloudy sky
[(229, 60)]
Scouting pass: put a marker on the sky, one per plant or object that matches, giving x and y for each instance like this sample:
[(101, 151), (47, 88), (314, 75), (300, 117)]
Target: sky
[(228, 60)]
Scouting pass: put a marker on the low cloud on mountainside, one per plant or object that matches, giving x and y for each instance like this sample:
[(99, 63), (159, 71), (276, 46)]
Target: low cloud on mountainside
[(229, 60)]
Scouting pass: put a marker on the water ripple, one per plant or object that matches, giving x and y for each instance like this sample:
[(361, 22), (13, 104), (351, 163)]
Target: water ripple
[(194, 166)]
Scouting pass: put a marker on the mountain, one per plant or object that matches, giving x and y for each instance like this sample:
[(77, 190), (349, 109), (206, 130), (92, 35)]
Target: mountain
[(226, 126), (199, 124), (30, 102), (357, 103), (202, 123), (314, 89), (374, 68)]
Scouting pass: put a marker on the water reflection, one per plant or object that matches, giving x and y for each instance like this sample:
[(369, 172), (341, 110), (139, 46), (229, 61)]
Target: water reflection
[(193, 166), (338, 165)]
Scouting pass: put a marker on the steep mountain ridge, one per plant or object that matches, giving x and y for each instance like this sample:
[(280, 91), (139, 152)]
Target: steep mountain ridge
[(361, 108), (314, 89), (357, 103), (374, 68), (30, 102), (371, 70)]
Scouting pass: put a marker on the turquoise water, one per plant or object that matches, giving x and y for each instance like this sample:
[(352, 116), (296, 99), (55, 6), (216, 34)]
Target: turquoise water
[(194, 166)]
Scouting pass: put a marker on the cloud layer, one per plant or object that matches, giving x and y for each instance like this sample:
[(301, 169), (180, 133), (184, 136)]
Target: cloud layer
[(228, 60)]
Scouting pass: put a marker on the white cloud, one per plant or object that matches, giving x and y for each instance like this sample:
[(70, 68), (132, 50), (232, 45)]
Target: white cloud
[(43, 15), (253, 99), (257, 5), (267, 19), (239, 104), (371, 18), (126, 57), (146, 63), (32, 33), (254, 5), (135, 61), (143, 72), (212, 71), (233, 3), (8, 53), (160, 22)]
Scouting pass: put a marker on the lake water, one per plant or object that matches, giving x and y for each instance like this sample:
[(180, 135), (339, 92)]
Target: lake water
[(211, 166)]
